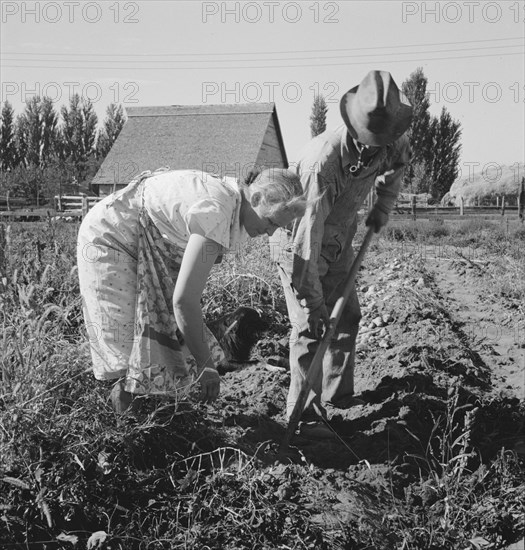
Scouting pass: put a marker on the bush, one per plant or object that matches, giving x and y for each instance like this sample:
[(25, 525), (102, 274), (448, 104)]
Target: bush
[(248, 278), (401, 231), (519, 233), (436, 229)]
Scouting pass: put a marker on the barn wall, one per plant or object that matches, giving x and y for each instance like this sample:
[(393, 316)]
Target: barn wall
[(270, 153)]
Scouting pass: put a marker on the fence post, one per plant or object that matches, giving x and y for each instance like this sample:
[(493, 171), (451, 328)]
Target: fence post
[(503, 205), (521, 200), (8, 205), (5, 248), (85, 206), (3, 255), (413, 207), (461, 206)]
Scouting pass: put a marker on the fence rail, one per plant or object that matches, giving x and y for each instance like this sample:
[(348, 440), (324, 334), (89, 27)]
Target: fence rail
[(408, 211), (9, 203), (75, 204), (63, 206)]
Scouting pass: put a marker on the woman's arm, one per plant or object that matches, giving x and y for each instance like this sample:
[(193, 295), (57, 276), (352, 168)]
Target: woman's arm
[(198, 259)]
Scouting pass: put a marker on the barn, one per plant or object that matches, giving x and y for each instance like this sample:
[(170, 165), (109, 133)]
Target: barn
[(226, 140)]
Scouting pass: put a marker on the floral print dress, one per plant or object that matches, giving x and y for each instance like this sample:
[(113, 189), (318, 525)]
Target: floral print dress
[(127, 272)]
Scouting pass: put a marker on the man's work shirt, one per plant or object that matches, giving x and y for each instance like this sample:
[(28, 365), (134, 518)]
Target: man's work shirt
[(323, 236)]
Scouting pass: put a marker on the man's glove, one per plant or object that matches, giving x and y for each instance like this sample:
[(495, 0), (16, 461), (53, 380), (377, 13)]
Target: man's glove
[(377, 218), (318, 320)]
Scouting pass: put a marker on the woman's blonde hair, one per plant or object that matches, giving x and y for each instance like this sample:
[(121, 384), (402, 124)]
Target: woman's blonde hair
[(280, 189)]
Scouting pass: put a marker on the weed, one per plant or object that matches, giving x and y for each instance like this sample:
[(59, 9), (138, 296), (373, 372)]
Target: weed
[(248, 278), (455, 503)]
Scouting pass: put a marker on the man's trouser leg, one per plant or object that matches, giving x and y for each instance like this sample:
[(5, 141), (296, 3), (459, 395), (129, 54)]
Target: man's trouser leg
[(338, 363), (302, 345), (339, 360)]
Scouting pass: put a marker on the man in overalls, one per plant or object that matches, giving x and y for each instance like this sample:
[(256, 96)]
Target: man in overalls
[(337, 170)]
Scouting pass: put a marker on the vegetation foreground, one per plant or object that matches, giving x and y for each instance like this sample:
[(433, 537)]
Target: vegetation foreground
[(434, 460)]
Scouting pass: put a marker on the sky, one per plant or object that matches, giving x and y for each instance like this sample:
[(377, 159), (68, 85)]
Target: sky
[(144, 53)]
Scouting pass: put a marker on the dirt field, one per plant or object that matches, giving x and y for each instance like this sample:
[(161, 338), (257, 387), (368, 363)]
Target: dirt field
[(433, 460), (430, 327)]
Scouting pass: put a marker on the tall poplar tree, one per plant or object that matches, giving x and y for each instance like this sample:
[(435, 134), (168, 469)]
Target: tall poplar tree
[(443, 164), (318, 116), (110, 130), (36, 143), (415, 89), (7, 138), (37, 132), (78, 135)]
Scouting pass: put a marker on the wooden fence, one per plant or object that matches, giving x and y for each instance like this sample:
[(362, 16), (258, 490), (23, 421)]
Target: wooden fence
[(9, 203), (64, 206), (414, 210), (413, 207), (75, 205), (455, 212)]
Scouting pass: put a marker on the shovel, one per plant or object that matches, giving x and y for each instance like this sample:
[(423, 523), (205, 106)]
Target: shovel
[(317, 362)]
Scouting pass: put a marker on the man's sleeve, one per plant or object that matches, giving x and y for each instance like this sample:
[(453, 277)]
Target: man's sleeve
[(389, 182), (308, 238)]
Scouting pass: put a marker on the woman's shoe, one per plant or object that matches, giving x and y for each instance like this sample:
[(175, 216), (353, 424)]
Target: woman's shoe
[(121, 399)]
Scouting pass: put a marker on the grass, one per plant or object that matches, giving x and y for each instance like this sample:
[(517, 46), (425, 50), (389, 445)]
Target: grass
[(481, 233), (462, 503), (248, 278), (498, 250), (73, 473)]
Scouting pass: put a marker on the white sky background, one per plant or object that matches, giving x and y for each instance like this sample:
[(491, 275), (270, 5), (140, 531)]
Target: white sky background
[(151, 52)]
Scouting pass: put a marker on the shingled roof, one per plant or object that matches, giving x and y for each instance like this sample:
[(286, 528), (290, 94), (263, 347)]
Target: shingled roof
[(220, 139)]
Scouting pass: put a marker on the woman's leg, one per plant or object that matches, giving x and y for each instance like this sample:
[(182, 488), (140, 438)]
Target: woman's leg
[(107, 279)]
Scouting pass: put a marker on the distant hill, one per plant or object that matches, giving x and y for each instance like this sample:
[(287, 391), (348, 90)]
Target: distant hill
[(500, 180)]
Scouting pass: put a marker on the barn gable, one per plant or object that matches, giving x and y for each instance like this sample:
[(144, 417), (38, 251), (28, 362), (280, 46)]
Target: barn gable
[(221, 139)]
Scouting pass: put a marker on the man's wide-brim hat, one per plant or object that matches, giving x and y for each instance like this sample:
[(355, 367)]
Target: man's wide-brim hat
[(376, 112)]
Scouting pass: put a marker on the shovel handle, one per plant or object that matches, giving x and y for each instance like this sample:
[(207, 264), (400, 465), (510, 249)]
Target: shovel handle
[(317, 361)]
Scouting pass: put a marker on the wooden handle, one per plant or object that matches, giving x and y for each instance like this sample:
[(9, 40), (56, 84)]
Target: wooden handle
[(317, 362)]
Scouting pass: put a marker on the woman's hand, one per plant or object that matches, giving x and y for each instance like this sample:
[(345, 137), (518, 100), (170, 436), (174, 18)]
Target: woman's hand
[(198, 259), (210, 382)]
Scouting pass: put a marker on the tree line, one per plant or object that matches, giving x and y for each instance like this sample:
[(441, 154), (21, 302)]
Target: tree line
[(434, 141), (44, 151)]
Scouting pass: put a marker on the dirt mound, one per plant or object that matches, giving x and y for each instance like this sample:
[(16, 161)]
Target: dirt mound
[(415, 368)]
